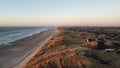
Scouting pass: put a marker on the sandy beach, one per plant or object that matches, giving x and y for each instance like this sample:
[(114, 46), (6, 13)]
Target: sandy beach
[(12, 55)]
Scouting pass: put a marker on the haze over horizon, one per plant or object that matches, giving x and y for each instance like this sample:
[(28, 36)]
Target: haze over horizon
[(60, 12)]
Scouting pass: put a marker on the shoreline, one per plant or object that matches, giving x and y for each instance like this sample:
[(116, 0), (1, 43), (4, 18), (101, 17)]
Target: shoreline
[(29, 56), (11, 34), (13, 54), (17, 40)]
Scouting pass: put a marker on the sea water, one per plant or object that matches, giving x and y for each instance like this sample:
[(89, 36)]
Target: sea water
[(10, 34)]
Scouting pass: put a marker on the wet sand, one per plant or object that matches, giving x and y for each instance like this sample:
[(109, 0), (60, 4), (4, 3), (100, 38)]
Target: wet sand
[(12, 56)]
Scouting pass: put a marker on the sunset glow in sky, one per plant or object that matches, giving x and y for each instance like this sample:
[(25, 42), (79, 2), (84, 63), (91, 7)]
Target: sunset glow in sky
[(60, 12)]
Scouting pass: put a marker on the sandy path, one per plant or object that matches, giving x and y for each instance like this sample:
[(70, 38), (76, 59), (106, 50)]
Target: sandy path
[(16, 55)]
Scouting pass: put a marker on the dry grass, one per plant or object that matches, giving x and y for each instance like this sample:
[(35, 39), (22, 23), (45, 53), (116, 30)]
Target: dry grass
[(68, 49)]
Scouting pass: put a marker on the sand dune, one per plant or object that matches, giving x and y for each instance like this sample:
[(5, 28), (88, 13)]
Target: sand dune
[(69, 49)]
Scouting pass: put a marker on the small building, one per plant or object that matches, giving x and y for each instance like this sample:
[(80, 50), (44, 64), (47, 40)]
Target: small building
[(90, 40)]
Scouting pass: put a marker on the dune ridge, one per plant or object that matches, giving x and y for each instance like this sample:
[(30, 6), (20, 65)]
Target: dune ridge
[(69, 49)]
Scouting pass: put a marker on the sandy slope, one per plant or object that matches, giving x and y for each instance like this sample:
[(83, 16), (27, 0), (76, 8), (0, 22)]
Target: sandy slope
[(69, 49), (11, 56)]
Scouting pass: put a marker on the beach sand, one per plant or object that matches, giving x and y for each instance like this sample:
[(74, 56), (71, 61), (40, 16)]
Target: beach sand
[(12, 56)]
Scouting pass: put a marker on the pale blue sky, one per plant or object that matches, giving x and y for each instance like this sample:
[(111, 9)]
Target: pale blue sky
[(59, 12)]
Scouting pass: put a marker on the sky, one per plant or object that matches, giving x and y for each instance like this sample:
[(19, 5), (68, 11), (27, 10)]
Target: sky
[(59, 12)]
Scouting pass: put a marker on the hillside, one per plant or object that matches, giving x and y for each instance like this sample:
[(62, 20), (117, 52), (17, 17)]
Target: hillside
[(80, 48)]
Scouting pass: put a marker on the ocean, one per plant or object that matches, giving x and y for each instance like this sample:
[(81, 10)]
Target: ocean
[(10, 34)]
